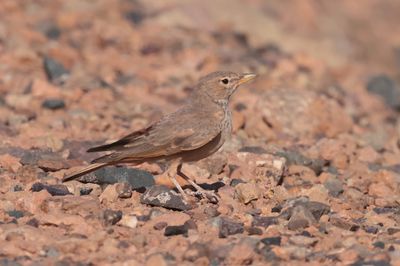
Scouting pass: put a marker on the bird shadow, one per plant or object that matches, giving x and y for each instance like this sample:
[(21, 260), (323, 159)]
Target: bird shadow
[(214, 186)]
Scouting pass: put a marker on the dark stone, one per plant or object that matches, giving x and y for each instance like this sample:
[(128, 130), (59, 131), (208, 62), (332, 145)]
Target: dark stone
[(264, 221), (124, 190), (277, 209), (371, 263), (392, 231), (18, 187), (306, 233), (110, 175), (53, 32), (54, 190), (240, 107), (229, 227), (254, 230), (135, 17), (317, 209), (16, 214), (85, 191), (53, 104), (33, 222), (253, 149), (123, 244), (176, 230), (296, 158), (383, 210), (347, 225), (162, 196), (332, 170), (31, 157), (386, 88), (272, 241), (55, 71), (334, 186), (371, 229), (9, 262), (235, 182), (111, 217), (379, 244)]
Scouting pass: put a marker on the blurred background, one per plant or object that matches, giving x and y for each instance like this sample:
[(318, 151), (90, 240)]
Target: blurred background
[(107, 66), (320, 122)]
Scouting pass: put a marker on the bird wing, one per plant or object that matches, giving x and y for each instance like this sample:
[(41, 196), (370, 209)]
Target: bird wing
[(183, 130)]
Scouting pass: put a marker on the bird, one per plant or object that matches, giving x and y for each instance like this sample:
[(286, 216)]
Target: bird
[(195, 131)]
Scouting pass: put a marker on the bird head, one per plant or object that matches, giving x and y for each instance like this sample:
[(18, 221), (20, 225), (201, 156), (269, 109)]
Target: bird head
[(221, 85)]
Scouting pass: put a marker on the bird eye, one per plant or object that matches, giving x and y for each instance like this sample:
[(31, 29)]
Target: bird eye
[(225, 81)]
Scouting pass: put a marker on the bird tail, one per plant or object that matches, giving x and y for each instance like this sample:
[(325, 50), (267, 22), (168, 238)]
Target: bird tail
[(83, 171)]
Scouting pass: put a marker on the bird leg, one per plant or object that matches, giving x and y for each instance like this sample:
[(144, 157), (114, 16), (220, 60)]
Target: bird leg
[(172, 172), (210, 195)]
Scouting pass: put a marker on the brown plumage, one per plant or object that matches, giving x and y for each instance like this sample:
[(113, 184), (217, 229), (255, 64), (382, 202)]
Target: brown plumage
[(193, 132)]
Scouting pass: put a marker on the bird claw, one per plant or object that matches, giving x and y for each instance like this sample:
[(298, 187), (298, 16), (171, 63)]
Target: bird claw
[(211, 196)]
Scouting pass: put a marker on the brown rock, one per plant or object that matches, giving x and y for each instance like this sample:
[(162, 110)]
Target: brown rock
[(10, 163), (156, 260), (130, 221), (109, 194), (247, 192), (124, 190), (52, 164), (241, 254), (301, 218)]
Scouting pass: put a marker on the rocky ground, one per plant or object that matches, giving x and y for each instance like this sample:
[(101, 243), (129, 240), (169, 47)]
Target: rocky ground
[(311, 174)]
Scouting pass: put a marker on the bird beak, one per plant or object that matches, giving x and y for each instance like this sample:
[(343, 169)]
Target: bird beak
[(245, 78)]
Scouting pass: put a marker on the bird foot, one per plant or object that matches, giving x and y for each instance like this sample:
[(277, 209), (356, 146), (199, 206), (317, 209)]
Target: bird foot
[(211, 196)]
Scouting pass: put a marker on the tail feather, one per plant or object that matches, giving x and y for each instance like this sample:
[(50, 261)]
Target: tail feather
[(88, 169)]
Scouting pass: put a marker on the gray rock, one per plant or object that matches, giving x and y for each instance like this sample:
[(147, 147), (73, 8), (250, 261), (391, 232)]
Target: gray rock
[(53, 32), (111, 217), (110, 175), (317, 209), (162, 196), (264, 221), (53, 104), (54, 190), (229, 227), (196, 250), (334, 186), (341, 223), (135, 17), (55, 71), (371, 263), (16, 214), (253, 149), (385, 87), (85, 191), (176, 230), (296, 158), (272, 241), (300, 218), (32, 157)]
